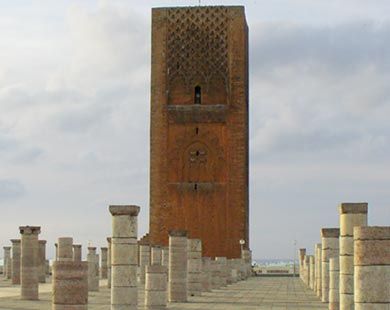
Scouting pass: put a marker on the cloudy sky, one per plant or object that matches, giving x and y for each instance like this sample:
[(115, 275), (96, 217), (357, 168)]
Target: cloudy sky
[(74, 116)]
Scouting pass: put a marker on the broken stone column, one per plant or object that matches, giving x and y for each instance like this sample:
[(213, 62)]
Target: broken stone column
[(155, 287), (177, 274), (65, 249), (222, 262), (124, 257), (165, 256), (77, 253), (109, 255), (246, 255), (7, 262), (215, 270), (93, 269), (351, 215), (312, 271), (29, 262), (42, 261), (194, 267), (233, 275), (372, 268), (334, 275), (103, 268), (206, 274), (70, 279), (156, 255), (15, 272), (318, 249), (56, 246), (306, 270), (302, 253), (330, 248), (144, 260)]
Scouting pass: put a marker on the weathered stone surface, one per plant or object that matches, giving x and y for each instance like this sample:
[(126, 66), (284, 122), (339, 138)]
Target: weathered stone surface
[(330, 248), (144, 260), (29, 262), (42, 261), (156, 287), (93, 269), (156, 255), (15, 272), (194, 267), (177, 274), (334, 293), (77, 257), (65, 249), (103, 263), (109, 260), (124, 258)]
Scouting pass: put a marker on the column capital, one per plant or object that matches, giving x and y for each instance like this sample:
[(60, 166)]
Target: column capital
[(353, 208), (15, 241), (42, 241), (77, 246), (103, 249), (109, 239), (131, 210), (30, 230), (6, 247)]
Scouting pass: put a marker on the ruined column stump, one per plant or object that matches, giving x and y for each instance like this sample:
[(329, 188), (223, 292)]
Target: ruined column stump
[(70, 285), (155, 287), (109, 259), (29, 262), (177, 274), (65, 249), (334, 291), (372, 268), (318, 267), (222, 262), (351, 215), (77, 253), (302, 253), (103, 264), (206, 274), (330, 248), (194, 267), (144, 260), (306, 269), (15, 270), (215, 269), (312, 272), (93, 269), (7, 262), (42, 261), (124, 257)]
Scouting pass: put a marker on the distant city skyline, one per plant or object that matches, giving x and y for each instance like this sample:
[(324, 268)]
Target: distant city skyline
[(74, 101)]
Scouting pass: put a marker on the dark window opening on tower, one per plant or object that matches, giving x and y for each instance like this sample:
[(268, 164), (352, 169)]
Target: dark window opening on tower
[(195, 186), (197, 130), (198, 95)]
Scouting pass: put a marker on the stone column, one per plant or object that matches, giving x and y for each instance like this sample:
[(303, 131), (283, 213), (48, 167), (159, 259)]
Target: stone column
[(77, 257), (215, 270), (330, 248), (29, 262), (144, 260), (206, 274), (42, 261), (302, 253), (177, 274), (372, 268), (15, 273), (247, 258), (306, 269), (56, 246), (103, 268), (7, 262), (70, 279), (233, 274), (155, 255), (93, 269), (165, 256), (318, 249), (222, 262), (351, 215), (194, 267), (155, 287), (65, 249), (334, 292), (312, 272), (109, 255), (124, 251)]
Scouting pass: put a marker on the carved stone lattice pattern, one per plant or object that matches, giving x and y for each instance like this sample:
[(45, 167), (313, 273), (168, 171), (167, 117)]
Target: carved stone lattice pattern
[(197, 44)]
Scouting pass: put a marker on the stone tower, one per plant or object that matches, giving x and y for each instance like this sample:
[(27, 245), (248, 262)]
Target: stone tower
[(199, 126)]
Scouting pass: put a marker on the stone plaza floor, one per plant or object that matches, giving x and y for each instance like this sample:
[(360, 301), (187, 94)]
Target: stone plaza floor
[(261, 293)]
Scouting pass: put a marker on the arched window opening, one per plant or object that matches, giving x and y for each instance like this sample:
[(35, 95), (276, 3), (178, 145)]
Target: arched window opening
[(198, 95)]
